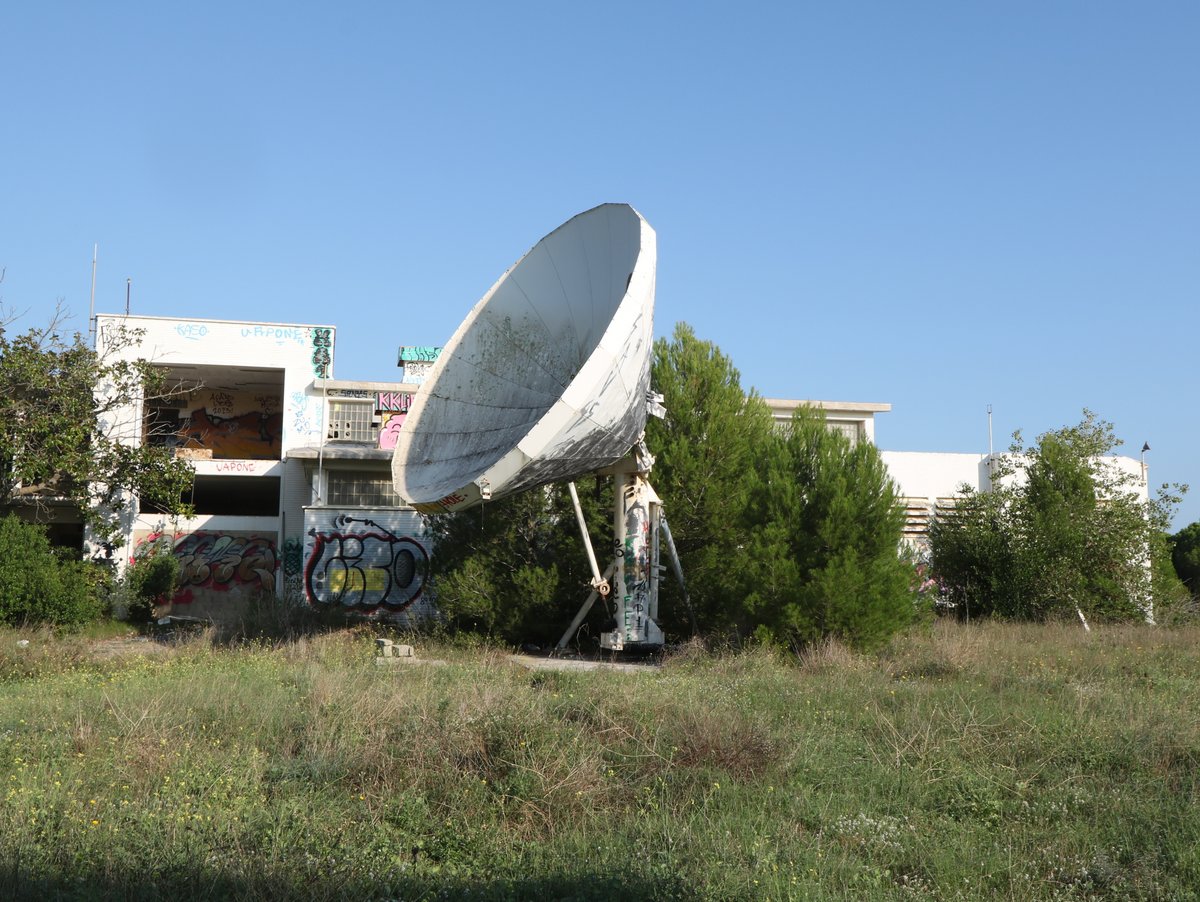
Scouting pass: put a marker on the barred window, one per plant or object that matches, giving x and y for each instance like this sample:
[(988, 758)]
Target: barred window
[(357, 489), (350, 421), (852, 429)]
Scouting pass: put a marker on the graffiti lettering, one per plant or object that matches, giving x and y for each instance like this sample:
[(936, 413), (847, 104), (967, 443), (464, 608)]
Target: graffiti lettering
[(415, 373), (277, 334), (302, 423), (636, 568), (192, 331), (220, 562), (221, 403), (239, 466), (361, 564), (417, 353), (393, 401), (441, 505), (322, 341)]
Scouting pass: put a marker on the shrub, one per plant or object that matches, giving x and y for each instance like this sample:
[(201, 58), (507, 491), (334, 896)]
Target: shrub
[(36, 585), (151, 580), (516, 569)]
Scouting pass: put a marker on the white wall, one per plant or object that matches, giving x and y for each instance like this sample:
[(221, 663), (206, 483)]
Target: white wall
[(298, 350), (932, 474)]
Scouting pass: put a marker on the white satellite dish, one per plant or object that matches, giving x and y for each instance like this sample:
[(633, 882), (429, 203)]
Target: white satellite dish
[(547, 377)]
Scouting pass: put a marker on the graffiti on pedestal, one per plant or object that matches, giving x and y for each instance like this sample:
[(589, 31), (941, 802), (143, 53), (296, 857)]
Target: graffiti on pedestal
[(360, 563)]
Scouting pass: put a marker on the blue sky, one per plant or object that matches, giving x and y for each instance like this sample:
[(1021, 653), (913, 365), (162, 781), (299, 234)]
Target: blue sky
[(937, 205)]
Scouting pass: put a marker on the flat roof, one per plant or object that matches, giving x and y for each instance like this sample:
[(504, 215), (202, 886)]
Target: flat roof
[(844, 406)]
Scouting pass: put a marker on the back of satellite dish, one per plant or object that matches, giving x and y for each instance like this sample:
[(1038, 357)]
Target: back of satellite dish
[(548, 379)]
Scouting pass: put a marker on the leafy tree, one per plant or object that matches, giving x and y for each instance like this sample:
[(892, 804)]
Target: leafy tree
[(60, 430), (824, 526), (1062, 530), (36, 586), (705, 453)]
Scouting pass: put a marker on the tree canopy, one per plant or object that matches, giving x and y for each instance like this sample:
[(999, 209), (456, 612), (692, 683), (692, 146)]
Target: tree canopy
[(1062, 531), (825, 525), (705, 453), (61, 437)]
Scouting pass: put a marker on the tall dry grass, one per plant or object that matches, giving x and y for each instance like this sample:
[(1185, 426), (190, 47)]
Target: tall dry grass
[(975, 762)]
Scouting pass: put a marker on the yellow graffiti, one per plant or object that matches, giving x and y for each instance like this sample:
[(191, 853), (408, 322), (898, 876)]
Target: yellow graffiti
[(373, 580)]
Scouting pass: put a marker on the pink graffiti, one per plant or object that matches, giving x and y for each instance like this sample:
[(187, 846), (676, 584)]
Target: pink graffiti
[(389, 432)]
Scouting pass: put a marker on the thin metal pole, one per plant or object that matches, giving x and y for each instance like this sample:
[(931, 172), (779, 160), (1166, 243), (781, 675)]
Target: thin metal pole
[(92, 301), (583, 612), (599, 583), (678, 568)]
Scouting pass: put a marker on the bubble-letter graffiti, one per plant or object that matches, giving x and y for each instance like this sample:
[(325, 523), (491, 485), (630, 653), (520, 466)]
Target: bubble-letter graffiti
[(361, 564)]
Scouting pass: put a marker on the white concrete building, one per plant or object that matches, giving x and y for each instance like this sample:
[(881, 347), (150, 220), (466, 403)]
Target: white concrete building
[(292, 492), (928, 481)]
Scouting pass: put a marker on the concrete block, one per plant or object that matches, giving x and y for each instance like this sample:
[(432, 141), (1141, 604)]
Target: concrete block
[(388, 652)]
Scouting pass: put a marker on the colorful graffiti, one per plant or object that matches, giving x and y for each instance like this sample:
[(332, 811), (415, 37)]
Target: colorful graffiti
[(418, 353), (389, 432), (636, 567), (249, 436), (219, 562), (397, 401), (362, 564), (322, 342)]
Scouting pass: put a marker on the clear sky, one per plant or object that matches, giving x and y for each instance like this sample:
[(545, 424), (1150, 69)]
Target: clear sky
[(936, 205)]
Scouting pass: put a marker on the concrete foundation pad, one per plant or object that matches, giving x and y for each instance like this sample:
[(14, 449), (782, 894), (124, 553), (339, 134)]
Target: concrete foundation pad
[(534, 663)]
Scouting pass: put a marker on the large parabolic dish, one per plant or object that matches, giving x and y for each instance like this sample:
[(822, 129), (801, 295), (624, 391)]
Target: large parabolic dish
[(547, 377)]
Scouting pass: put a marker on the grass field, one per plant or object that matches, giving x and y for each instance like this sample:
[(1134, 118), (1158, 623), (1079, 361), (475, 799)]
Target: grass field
[(983, 762)]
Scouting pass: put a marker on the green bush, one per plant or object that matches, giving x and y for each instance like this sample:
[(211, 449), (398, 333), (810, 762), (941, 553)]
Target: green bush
[(36, 585), (516, 569), (150, 580)]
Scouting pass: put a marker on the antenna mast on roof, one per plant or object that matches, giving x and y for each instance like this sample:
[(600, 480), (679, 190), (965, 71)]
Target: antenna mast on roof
[(92, 299), (128, 286)]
